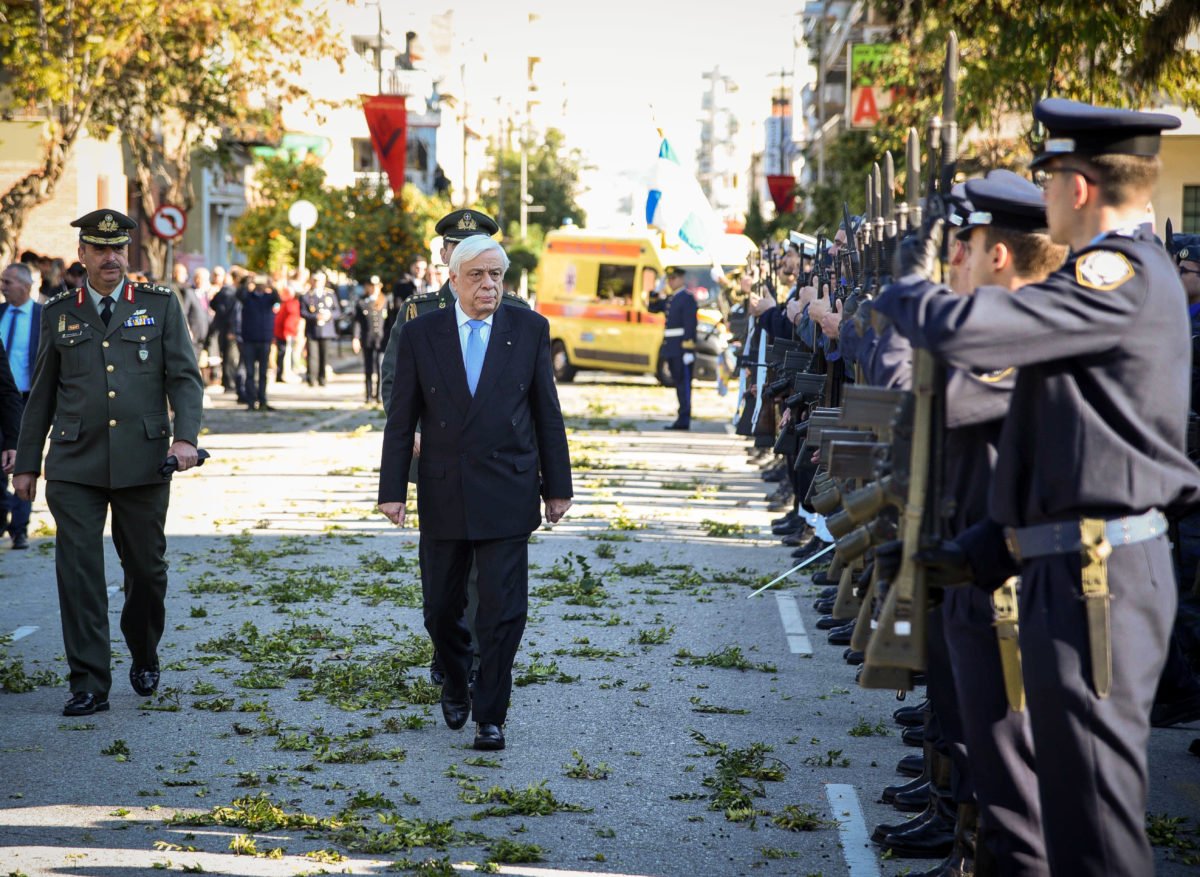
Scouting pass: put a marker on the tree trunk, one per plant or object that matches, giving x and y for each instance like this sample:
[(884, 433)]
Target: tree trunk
[(35, 188)]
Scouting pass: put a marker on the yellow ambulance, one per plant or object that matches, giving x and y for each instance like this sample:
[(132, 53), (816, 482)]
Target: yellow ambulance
[(594, 288)]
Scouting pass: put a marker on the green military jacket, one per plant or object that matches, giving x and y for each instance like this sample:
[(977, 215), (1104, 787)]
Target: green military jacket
[(101, 392), (414, 306)]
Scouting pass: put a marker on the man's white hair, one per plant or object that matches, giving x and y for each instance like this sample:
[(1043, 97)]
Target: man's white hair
[(475, 245)]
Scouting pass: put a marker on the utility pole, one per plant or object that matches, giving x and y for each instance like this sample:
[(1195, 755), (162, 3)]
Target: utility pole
[(821, 95), (379, 50)]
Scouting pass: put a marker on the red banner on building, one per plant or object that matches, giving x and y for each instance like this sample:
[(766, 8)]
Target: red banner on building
[(783, 191), (388, 121)]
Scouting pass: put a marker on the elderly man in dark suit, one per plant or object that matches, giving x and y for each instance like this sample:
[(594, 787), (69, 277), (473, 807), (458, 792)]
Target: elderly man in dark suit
[(20, 326), (479, 378)]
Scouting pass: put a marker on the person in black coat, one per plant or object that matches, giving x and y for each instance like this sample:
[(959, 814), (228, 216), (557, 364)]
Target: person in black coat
[(479, 379), (679, 340), (320, 309), (10, 414), (370, 331)]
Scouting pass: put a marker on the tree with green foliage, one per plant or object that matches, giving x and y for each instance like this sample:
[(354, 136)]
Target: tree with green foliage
[(171, 78), (1122, 53), (360, 230), (553, 172)]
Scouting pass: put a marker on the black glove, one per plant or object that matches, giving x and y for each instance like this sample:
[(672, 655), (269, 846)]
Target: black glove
[(946, 566), (918, 252), (887, 559)]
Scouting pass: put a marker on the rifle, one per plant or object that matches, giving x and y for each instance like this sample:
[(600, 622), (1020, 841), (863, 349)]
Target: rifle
[(897, 645)]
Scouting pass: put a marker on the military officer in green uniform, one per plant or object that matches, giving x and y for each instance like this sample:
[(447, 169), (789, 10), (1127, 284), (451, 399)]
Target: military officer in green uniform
[(113, 355), (453, 227)]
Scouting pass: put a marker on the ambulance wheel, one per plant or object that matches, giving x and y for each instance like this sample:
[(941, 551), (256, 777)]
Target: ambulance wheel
[(564, 372)]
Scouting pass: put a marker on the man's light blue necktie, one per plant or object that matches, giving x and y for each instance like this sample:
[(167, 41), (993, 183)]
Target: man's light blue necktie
[(475, 351)]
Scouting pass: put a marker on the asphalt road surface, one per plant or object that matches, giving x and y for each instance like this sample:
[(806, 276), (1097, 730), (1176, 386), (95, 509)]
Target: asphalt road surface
[(663, 724)]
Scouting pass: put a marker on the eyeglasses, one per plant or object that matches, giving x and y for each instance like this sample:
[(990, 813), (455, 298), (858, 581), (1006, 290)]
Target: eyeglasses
[(1043, 176)]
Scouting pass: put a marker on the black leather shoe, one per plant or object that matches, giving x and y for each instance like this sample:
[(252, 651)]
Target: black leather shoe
[(932, 839), (488, 737), (455, 709), (882, 831), (854, 657), (822, 578), (910, 716), (798, 538), (911, 765), (788, 528), (20, 541), (913, 736), (913, 801), (919, 784), (824, 605), (436, 674), (783, 519), (84, 703), (841, 636), (810, 548), (144, 679), (1162, 715), (775, 474), (675, 425), (828, 622), (829, 592)]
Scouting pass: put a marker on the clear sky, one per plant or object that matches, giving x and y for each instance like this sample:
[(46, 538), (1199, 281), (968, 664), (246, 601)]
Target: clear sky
[(611, 69)]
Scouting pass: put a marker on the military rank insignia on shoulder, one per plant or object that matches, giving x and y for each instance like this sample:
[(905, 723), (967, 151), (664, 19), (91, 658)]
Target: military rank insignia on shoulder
[(1103, 269), (69, 293)]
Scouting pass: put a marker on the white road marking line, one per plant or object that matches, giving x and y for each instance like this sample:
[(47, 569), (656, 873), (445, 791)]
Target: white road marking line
[(22, 632), (852, 830), (793, 624)]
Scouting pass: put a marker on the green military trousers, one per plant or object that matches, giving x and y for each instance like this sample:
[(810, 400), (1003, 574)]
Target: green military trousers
[(138, 519)]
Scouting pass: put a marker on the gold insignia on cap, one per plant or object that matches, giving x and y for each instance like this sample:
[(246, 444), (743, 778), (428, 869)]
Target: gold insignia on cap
[(467, 223), (1103, 269), (108, 223)]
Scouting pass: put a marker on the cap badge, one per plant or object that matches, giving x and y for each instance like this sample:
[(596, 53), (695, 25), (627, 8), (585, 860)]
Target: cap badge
[(467, 223), (108, 223)]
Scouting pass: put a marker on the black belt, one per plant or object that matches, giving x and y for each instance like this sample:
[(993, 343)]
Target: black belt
[(1063, 537)]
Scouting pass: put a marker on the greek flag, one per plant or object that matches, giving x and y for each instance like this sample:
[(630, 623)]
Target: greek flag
[(677, 206)]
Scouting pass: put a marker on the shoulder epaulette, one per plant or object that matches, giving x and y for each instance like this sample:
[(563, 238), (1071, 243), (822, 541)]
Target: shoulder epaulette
[(423, 296), (138, 286), (68, 293)]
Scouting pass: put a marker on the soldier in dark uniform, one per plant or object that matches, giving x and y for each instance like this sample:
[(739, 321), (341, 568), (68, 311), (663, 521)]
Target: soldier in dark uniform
[(320, 308), (114, 355), (454, 228), (1090, 456), (370, 322), (679, 340), (1177, 700)]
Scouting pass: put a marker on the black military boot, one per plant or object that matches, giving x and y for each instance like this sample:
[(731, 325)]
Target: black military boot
[(961, 861), (911, 716), (926, 774)]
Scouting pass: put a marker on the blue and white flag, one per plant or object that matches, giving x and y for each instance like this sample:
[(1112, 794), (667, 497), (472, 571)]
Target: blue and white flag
[(677, 206)]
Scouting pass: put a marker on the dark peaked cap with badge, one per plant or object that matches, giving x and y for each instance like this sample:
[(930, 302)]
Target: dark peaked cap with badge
[(1184, 247), (959, 205), (462, 224), (1082, 129), (1006, 200), (104, 228)]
